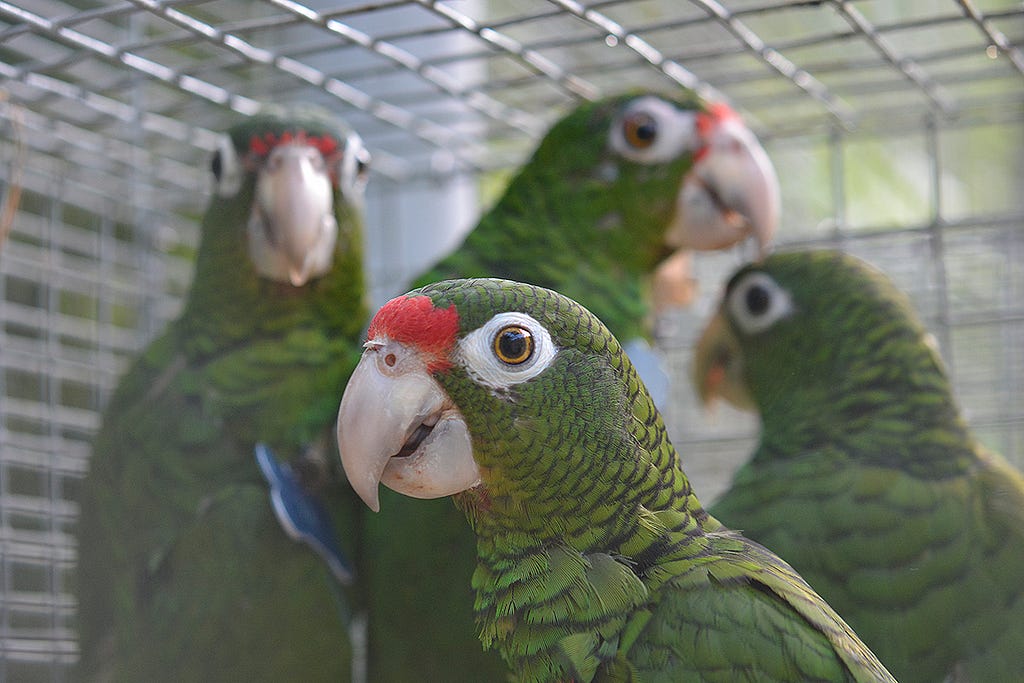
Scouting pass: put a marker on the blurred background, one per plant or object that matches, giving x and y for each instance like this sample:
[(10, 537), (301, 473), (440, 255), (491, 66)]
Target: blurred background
[(897, 129)]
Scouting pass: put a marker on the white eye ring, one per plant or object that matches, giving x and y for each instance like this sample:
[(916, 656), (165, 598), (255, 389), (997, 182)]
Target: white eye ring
[(229, 180), (354, 168), (757, 302), (652, 131), (476, 352)]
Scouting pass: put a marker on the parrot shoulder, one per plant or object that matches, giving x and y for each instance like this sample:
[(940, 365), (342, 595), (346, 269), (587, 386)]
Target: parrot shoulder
[(740, 598), (1003, 488)]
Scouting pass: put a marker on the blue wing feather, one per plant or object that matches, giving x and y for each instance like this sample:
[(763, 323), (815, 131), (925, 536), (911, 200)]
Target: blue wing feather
[(301, 516)]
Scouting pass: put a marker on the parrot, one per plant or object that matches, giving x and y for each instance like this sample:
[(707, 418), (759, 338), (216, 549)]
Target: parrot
[(595, 560), (184, 572), (613, 188), (866, 477)]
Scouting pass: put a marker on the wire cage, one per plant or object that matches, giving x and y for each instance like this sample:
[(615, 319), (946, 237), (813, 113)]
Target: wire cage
[(896, 128)]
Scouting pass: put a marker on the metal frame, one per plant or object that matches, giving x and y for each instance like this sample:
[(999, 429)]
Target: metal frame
[(108, 114)]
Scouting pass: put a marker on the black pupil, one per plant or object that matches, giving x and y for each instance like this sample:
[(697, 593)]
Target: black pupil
[(215, 165), (514, 344), (645, 129), (757, 299)]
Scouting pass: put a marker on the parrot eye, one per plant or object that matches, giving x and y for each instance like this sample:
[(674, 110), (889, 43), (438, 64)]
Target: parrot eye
[(354, 167), (508, 349), (640, 130), (226, 167), (216, 166), (652, 131), (513, 345), (756, 302)]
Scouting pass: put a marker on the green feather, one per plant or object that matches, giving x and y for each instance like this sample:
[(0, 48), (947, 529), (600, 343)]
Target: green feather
[(595, 561), (184, 573), (581, 220), (867, 479), (577, 218)]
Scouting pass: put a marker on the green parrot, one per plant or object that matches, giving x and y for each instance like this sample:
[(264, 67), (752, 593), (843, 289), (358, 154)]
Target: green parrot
[(866, 477), (612, 189), (184, 572), (594, 559)]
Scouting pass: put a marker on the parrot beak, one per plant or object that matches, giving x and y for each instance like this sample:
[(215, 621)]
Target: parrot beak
[(397, 426), (731, 192), (718, 366), (292, 228)]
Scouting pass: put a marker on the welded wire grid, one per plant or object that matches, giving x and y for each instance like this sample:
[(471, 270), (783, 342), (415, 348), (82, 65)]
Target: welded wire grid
[(896, 128)]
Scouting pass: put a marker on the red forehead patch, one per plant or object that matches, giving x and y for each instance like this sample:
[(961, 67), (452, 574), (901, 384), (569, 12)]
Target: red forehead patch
[(262, 145), (414, 320), (715, 114), (708, 120)]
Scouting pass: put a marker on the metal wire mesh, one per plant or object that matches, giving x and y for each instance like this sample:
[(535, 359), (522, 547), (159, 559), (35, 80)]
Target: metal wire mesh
[(896, 128)]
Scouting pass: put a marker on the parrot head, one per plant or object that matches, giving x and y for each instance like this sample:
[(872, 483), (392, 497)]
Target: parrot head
[(286, 175), (647, 175), (508, 396), (803, 328), (728, 189)]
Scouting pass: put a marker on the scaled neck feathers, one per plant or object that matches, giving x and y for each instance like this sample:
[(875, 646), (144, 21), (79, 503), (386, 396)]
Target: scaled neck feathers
[(890, 404), (564, 561)]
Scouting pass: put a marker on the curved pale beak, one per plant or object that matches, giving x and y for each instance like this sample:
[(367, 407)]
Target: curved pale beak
[(292, 228), (397, 426), (717, 370), (731, 193)]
